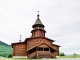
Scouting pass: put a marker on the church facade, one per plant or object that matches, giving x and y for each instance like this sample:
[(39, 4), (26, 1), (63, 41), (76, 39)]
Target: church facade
[(36, 46)]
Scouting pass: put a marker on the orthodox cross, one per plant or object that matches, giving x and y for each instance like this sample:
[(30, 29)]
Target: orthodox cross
[(38, 14), (20, 38)]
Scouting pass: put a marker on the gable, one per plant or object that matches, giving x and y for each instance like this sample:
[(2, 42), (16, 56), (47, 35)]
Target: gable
[(47, 41), (36, 41), (43, 45)]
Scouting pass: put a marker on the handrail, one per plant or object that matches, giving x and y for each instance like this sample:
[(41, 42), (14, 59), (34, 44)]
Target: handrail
[(32, 54)]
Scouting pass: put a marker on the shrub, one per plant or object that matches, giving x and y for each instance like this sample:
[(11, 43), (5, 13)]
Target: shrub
[(62, 54), (9, 56), (75, 55)]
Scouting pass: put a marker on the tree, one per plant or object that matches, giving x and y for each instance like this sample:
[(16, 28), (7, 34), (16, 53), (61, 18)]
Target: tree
[(75, 55), (61, 54)]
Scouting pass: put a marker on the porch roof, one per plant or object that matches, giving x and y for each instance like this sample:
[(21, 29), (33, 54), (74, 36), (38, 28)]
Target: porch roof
[(40, 44)]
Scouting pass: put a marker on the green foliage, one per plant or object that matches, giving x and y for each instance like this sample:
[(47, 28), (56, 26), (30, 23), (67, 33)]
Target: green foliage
[(71, 56), (5, 49), (75, 55), (61, 54), (9, 56), (2, 43)]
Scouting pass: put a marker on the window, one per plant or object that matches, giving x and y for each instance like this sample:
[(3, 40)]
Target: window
[(46, 49), (40, 49)]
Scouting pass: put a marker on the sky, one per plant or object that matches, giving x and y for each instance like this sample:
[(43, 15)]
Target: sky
[(60, 17)]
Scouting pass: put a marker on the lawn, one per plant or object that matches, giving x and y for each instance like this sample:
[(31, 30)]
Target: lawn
[(3, 58), (69, 56), (61, 58)]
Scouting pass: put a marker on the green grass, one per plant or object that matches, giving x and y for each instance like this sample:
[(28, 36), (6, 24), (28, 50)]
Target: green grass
[(3, 58), (70, 56)]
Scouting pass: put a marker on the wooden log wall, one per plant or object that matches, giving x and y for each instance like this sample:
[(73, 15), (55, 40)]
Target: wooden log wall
[(38, 33), (19, 49)]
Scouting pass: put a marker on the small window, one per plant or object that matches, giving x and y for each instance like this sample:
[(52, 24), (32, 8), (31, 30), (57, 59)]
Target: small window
[(46, 49), (40, 49)]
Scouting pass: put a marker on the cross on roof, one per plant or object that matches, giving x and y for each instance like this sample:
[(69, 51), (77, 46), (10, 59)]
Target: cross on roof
[(38, 12), (20, 38)]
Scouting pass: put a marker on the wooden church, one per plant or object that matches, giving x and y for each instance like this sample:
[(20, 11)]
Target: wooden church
[(36, 46)]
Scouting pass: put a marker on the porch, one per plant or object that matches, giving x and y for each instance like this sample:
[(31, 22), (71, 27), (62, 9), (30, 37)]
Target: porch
[(41, 52)]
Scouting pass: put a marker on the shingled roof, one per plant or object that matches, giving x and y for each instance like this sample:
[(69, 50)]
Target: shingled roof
[(38, 21)]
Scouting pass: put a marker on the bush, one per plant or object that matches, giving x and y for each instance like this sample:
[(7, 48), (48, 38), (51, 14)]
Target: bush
[(75, 55), (62, 54), (9, 56)]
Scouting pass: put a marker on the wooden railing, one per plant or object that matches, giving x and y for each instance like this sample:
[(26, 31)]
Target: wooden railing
[(44, 56), (53, 55), (43, 52), (32, 55)]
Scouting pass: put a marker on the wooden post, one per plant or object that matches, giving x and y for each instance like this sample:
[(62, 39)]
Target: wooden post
[(36, 52), (49, 52), (28, 54)]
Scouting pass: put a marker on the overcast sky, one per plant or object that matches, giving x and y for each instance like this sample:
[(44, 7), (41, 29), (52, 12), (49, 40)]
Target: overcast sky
[(60, 17)]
